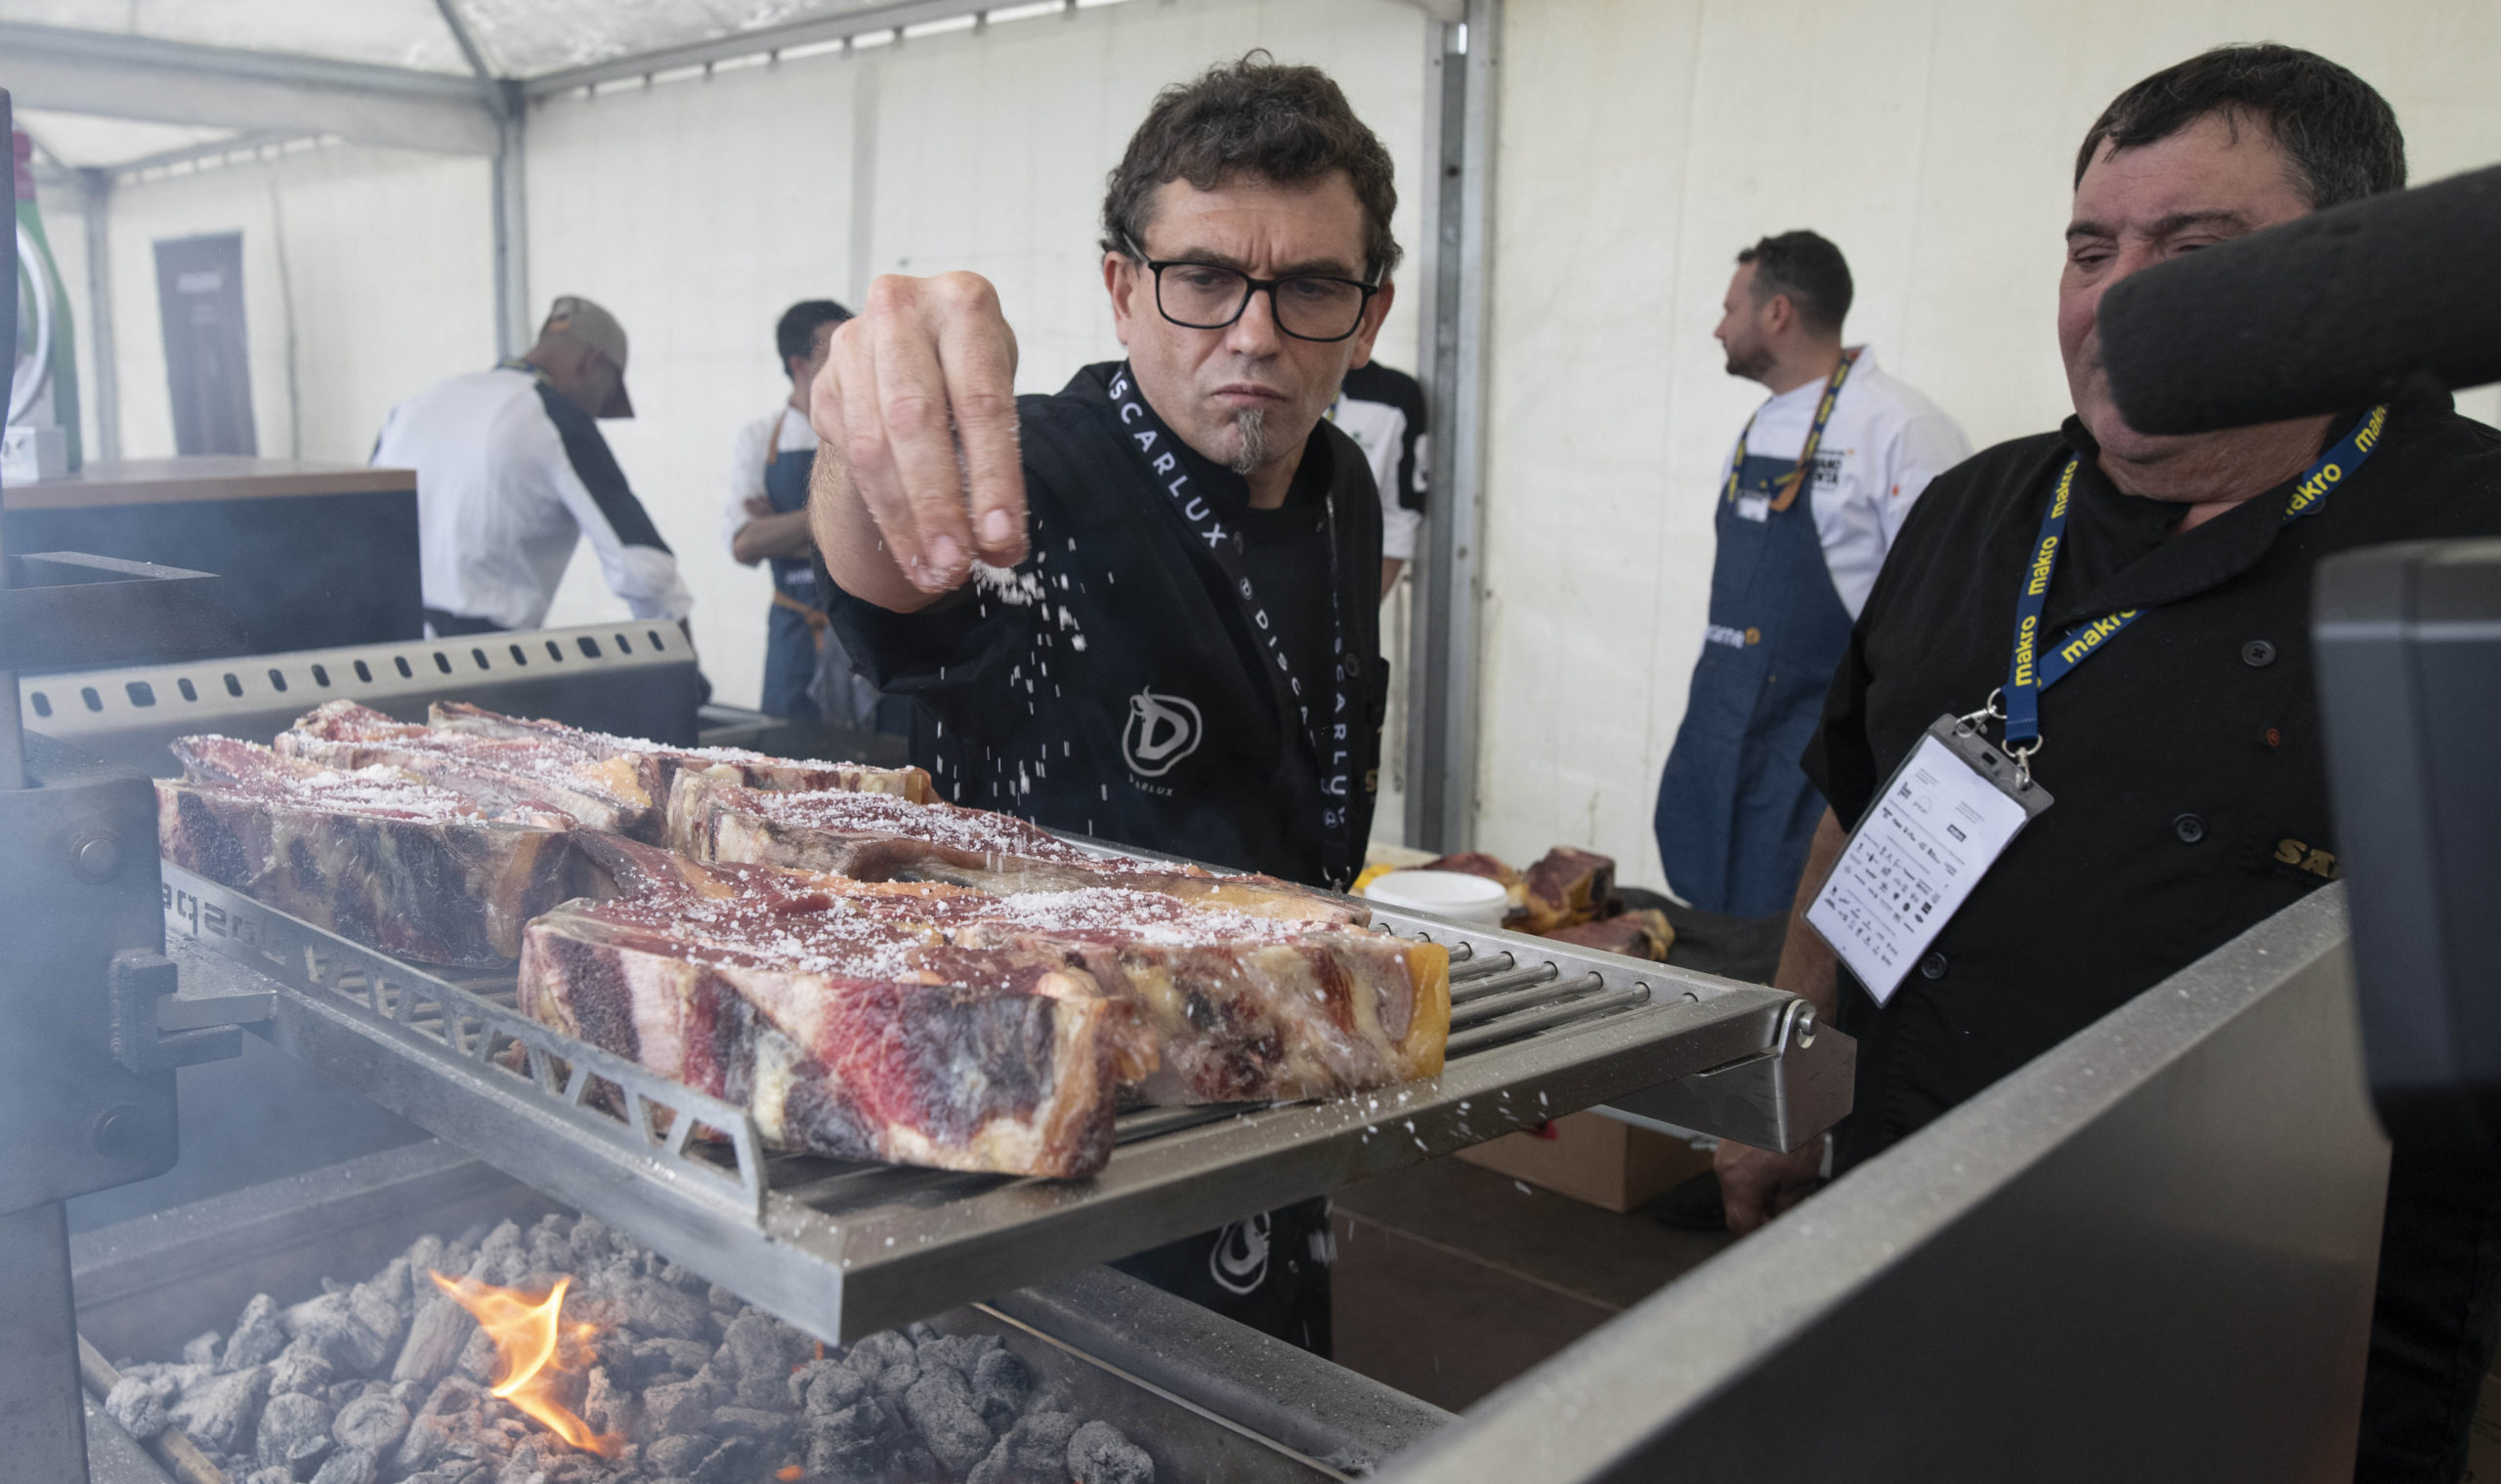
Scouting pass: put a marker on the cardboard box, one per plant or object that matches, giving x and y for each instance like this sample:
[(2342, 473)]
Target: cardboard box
[(1590, 1156), (2484, 1444)]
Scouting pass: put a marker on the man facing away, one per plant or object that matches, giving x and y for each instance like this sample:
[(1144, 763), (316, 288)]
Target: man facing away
[(1177, 645), (1808, 504), (512, 474)]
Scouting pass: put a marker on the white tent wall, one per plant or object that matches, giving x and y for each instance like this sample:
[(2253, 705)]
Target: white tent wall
[(65, 226), (699, 209), (367, 274), (1642, 143)]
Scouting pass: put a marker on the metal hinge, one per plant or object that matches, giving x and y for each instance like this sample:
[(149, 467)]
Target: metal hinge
[(152, 1030)]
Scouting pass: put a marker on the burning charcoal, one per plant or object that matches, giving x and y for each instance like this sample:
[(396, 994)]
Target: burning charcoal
[(753, 1343), (294, 1432), (941, 1407), (258, 1336), (220, 1411), (1098, 1454), (452, 1394), (478, 1357), (374, 1422), (956, 1352), (425, 1441), (896, 1379), (765, 1393), (349, 1466), (874, 1352), (505, 1237), (409, 1394), (330, 1327), (675, 1409), (1002, 1383), (736, 1462), (851, 1444), (658, 1309), (425, 1255), (1033, 1452), (724, 1302), (771, 1430), (298, 1369), (434, 1341), (201, 1349), (678, 1454), (683, 1356), (593, 1241), (270, 1476), (373, 1308), (139, 1404), (914, 1461), (828, 1386)]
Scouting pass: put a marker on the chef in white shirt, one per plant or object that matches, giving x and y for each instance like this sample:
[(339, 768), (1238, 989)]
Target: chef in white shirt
[(1383, 411), (1808, 504), (766, 519), (513, 474)]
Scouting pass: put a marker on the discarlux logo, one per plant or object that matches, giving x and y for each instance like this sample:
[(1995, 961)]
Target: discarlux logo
[(1161, 731)]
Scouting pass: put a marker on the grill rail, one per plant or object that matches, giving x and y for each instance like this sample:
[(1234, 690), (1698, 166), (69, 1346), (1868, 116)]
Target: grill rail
[(842, 1249)]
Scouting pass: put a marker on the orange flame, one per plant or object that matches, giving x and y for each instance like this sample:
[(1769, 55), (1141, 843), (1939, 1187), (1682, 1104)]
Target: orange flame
[(527, 1333)]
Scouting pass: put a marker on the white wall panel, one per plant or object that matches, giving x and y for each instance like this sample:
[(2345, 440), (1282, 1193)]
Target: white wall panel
[(372, 263), (699, 210), (1643, 143)]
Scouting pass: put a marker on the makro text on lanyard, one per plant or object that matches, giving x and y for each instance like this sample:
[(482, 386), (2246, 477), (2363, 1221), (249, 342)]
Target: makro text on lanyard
[(2030, 671), (1786, 488)]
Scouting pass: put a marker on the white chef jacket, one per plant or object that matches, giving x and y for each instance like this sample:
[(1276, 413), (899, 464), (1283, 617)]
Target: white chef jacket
[(1884, 442), (510, 476), (787, 430)]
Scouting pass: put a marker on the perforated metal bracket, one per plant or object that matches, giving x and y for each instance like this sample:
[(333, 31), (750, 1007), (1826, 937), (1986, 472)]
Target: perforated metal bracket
[(151, 1030), (1777, 1098)]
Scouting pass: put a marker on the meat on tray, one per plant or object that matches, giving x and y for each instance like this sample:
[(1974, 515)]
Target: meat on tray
[(374, 854), (880, 838), (839, 1016), (753, 769)]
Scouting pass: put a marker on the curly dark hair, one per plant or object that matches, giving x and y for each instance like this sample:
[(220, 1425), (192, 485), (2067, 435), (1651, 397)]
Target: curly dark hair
[(2340, 134), (1287, 124)]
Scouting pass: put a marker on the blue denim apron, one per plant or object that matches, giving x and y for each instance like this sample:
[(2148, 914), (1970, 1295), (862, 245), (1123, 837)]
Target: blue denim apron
[(789, 648), (1735, 812)]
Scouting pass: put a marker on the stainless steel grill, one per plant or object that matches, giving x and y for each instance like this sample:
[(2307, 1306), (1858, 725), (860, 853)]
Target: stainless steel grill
[(842, 1249)]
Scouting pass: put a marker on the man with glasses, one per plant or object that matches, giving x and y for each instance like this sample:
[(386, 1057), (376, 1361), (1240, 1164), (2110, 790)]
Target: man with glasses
[(512, 474), (1173, 639)]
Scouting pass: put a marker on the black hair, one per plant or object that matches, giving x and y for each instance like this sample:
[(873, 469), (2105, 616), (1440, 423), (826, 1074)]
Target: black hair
[(2340, 134), (1807, 268), (1287, 124), (796, 336)]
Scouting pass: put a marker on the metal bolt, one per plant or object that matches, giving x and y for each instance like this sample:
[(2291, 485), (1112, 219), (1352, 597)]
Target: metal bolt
[(121, 1132), (94, 854), (1802, 1031)]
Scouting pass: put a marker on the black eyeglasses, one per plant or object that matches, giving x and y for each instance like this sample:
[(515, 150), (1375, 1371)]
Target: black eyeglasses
[(1203, 296)]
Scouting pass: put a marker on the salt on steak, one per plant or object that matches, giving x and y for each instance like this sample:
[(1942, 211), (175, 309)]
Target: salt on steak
[(755, 770), (880, 838), (839, 1016), (1243, 1007), (612, 793), (374, 854)]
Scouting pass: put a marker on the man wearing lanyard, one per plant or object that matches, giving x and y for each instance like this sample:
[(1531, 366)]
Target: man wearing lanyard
[(2129, 613), (1815, 493), (767, 516), (512, 474), (1177, 645)]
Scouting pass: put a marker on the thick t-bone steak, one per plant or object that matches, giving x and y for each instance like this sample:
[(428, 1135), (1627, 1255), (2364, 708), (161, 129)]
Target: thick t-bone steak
[(878, 837), (612, 793), (846, 1028), (374, 854), (1243, 1007), (753, 769)]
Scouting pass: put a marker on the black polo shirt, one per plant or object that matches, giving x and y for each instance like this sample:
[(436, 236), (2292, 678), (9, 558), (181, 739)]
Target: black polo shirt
[(2185, 757), (1116, 687)]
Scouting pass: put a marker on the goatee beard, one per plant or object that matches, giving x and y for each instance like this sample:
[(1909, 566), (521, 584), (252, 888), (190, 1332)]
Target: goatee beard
[(1251, 423), (1750, 367)]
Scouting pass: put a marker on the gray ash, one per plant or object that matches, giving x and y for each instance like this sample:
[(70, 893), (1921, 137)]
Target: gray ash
[(386, 1381)]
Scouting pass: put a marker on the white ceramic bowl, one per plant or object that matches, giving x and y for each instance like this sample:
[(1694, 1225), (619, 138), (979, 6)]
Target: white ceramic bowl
[(1448, 893)]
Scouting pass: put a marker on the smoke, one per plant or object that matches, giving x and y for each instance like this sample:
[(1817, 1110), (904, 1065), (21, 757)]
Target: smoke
[(1251, 423)]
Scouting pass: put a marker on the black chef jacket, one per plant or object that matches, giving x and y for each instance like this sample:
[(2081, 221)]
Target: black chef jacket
[(1119, 691), (2186, 760)]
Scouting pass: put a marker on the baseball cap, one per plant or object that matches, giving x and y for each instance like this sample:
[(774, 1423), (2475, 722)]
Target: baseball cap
[(586, 322)]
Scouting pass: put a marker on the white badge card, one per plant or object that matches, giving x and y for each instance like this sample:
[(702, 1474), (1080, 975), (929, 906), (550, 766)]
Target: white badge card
[(1754, 507), (1945, 815)]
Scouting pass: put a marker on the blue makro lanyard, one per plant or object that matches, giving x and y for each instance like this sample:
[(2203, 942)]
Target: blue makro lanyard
[(2030, 671)]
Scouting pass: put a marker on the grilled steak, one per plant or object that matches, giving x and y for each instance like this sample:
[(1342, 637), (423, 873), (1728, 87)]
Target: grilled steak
[(753, 769), (838, 1016), (374, 854)]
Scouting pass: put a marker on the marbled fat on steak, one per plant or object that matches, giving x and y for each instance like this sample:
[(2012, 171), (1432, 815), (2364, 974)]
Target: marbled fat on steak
[(837, 1013), (753, 769), (374, 854)]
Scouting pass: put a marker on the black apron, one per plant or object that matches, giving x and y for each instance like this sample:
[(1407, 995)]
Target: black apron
[(790, 645)]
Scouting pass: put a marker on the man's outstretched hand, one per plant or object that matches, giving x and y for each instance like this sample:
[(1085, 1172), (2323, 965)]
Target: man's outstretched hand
[(916, 408), (1757, 1184)]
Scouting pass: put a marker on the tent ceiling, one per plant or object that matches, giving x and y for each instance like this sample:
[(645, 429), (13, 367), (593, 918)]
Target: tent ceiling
[(76, 141)]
